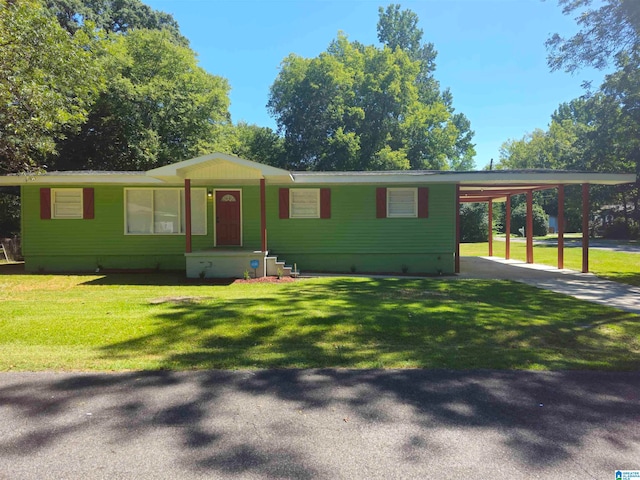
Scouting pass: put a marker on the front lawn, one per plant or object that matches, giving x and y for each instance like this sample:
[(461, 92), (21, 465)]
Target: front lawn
[(617, 266), (119, 322)]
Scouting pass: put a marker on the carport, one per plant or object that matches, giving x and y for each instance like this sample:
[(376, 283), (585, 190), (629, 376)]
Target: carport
[(501, 185)]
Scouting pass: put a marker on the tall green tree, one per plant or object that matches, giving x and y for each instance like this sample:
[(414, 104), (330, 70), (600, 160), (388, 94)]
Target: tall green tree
[(159, 107), (357, 107), (609, 34), (340, 110), (48, 81), (399, 28)]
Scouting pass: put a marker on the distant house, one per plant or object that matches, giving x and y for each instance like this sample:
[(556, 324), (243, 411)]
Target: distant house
[(220, 215)]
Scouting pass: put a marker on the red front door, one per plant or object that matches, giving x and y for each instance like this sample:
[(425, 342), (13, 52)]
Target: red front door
[(228, 217)]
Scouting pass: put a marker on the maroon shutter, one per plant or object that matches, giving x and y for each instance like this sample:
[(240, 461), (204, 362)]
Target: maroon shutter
[(325, 203), (423, 202), (284, 203), (87, 203), (45, 203), (381, 203)]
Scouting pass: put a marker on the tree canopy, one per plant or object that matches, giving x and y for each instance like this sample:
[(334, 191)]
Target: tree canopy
[(48, 81), (57, 108), (359, 107), (113, 16), (159, 107), (605, 33)]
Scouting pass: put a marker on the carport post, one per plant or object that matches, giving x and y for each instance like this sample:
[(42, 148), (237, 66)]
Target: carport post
[(507, 228), (457, 252), (529, 226), (585, 228), (560, 227), (490, 227)]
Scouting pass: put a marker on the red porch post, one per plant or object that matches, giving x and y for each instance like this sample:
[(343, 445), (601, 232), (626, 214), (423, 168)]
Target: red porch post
[(263, 215), (457, 252), (490, 227), (585, 228), (529, 226), (507, 228), (560, 226), (187, 213)]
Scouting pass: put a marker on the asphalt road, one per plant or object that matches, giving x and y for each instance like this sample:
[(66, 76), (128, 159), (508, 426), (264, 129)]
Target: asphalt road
[(326, 424)]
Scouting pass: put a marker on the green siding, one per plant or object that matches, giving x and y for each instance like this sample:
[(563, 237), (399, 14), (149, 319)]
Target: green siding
[(353, 236), (75, 244)]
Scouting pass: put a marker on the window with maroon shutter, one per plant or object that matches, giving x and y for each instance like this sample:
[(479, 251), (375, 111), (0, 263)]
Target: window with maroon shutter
[(304, 203), (402, 202), (66, 203)]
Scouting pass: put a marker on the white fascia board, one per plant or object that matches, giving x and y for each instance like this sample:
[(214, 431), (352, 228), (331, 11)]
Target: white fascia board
[(52, 179), (356, 178), (545, 178), (470, 178)]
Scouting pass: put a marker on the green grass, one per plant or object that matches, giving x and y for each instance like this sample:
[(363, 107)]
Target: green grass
[(617, 266), (121, 322)]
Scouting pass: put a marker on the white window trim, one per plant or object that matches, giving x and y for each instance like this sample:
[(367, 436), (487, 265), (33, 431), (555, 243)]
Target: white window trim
[(153, 212), (215, 232), (317, 192), (79, 216), (415, 203)]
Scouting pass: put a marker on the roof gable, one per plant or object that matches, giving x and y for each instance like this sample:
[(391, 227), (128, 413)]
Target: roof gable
[(219, 166)]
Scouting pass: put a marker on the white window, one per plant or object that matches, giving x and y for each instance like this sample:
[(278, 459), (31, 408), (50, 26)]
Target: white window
[(166, 211), (304, 203), (402, 202), (66, 203), (160, 211), (198, 211)]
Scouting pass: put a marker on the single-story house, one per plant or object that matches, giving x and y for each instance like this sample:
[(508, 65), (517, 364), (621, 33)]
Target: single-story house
[(219, 215)]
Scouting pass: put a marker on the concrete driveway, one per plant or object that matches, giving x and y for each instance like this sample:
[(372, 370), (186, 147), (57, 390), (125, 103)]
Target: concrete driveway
[(584, 286), (324, 424)]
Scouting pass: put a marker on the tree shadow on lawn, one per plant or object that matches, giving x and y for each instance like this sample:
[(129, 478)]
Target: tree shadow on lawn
[(252, 423), (390, 322)]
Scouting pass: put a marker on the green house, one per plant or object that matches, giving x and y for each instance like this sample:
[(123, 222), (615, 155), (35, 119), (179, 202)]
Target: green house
[(220, 215)]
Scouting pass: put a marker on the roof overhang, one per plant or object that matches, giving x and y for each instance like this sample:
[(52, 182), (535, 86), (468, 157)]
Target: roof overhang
[(479, 186), (224, 169)]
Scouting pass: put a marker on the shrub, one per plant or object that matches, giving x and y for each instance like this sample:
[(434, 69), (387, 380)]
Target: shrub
[(474, 218), (619, 229), (519, 220)]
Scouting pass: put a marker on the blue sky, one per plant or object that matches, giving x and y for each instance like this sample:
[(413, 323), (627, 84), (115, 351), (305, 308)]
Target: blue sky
[(491, 53)]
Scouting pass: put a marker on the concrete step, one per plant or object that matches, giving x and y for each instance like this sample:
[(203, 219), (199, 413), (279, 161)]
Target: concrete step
[(273, 265)]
